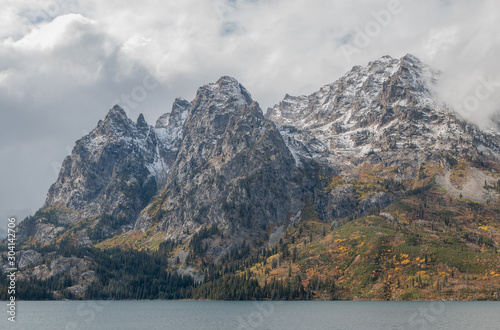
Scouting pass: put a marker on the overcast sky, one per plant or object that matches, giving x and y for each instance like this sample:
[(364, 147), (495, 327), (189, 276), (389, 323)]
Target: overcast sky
[(63, 64)]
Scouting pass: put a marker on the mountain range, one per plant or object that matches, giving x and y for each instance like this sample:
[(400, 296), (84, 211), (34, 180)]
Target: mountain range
[(334, 191)]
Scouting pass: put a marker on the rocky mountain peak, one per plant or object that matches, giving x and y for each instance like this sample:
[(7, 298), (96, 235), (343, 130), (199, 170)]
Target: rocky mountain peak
[(177, 116), (116, 113), (117, 168), (232, 168), (117, 110), (366, 111), (162, 121), (179, 112), (380, 64), (225, 94), (141, 122), (416, 77), (361, 96), (230, 86), (411, 59), (388, 62), (115, 124)]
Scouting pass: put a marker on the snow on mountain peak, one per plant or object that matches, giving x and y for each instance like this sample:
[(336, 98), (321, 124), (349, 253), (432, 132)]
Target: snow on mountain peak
[(117, 110), (386, 105), (226, 91), (359, 91)]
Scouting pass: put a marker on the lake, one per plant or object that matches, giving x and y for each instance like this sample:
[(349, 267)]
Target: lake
[(223, 315)]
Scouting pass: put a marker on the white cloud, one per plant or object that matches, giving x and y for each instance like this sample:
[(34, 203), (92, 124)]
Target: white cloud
[(63, 63), (468, 56), (63, 30)]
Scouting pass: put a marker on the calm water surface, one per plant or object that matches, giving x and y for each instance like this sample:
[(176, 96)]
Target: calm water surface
[(122, 315)]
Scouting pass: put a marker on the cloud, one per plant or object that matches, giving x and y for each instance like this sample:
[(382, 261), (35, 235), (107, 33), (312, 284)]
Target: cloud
[(467, 51), (64, 30), (64, 63), (56, 82)]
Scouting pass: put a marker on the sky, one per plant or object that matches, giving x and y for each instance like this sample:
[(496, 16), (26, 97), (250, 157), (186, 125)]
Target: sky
[(63, 64)]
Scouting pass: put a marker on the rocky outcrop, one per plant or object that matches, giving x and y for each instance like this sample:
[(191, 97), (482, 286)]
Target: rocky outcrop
[(47, 232), (233, 168), (107, 172), (384, 113), (114, 171), (341, 202), (28, 258), (376, 201), (24, 260), (33, 265)]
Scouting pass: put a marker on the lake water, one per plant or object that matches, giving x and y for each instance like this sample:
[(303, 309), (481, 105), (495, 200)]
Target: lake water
[(205, 315)]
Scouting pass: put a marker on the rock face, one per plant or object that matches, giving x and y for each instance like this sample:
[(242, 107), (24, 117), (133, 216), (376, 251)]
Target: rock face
[(94, 176), (384, 113), (233, 168), (32, 265), (24, 260), (113, 172), (28, 258)]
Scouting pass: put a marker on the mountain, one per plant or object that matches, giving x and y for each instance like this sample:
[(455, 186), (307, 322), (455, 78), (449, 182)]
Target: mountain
[(336, 192), (232, 169), (385, 112), (112, 172), (117, 156)]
